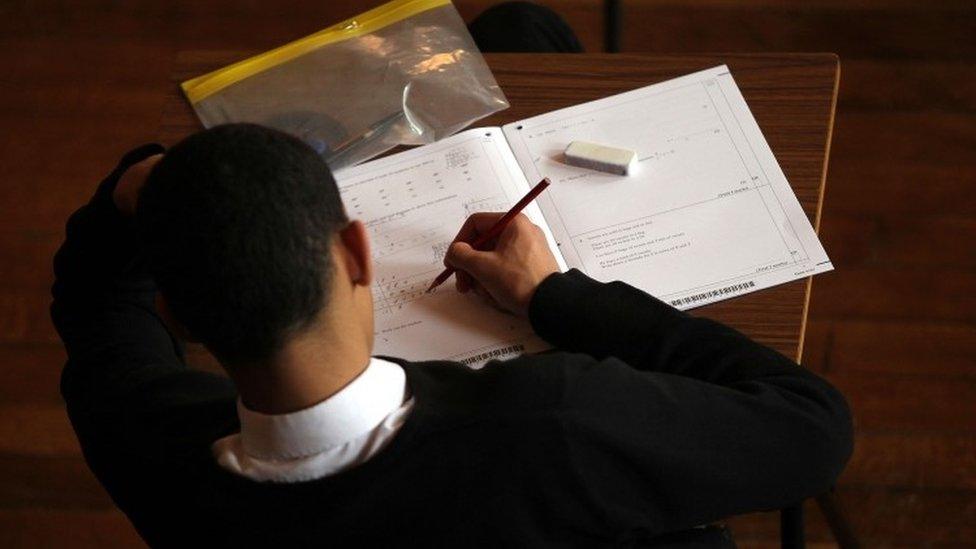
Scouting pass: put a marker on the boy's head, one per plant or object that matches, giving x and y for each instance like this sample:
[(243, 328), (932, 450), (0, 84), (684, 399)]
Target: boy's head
[(240, 225)]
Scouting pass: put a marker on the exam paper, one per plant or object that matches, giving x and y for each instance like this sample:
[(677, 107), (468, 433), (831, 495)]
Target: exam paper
[(413, 204), (706, 215)]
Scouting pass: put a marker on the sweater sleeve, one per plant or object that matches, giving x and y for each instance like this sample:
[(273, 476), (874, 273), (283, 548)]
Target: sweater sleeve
[(129, 394), (675, 421)]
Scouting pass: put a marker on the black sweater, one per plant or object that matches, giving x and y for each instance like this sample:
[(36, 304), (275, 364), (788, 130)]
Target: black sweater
[(645, 420)]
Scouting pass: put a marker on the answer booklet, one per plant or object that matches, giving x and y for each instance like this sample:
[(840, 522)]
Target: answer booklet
[(707, 214)]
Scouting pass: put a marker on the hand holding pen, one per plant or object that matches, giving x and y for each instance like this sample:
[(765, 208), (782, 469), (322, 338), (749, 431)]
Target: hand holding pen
[(503, 257)]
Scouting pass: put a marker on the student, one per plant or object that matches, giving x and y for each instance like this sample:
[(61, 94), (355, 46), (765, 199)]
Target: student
[(643, 421)]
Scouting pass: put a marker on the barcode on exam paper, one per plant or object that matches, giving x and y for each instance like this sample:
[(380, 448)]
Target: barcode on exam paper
[(713, 293)]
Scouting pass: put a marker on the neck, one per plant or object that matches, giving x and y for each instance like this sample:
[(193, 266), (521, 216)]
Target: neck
[(313, 366)]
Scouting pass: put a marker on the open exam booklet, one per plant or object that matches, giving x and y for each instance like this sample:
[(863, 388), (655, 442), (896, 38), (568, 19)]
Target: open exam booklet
[(707, 215)]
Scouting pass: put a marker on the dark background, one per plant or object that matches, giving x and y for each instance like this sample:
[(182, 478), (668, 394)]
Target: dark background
[(894, 326)]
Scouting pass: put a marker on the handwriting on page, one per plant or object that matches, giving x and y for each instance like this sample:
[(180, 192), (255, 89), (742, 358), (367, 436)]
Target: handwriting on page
[(413, 204), (395, 292)]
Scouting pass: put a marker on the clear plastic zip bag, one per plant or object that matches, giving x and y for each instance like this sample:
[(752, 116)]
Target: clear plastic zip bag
[(405, 73)]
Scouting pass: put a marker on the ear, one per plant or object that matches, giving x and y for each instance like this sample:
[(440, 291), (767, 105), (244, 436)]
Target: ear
[(358, 261), (174, 326)]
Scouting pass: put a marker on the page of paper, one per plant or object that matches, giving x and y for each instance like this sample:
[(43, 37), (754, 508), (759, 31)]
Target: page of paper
[(708, 214), (413, 204)]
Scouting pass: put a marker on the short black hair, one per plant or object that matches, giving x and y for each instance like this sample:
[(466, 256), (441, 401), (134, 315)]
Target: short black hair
[(236, 223)]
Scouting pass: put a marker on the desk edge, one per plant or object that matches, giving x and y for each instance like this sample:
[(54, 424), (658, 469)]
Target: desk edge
[(818, 214)]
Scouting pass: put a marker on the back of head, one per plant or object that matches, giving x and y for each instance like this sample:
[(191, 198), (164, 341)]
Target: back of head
[(237, 223)]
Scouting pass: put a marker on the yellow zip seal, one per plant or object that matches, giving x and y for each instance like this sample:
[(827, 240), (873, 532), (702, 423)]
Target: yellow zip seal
[(201, 87)]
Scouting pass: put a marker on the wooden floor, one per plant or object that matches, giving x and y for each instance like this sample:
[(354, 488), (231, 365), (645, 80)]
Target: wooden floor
[(894, 326)]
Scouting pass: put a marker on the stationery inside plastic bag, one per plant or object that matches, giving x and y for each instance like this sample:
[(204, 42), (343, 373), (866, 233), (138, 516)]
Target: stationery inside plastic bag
[(405, 73)]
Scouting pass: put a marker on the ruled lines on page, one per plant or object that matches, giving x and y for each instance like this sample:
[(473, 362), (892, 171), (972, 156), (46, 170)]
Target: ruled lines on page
[(708, 214), (413, 204)]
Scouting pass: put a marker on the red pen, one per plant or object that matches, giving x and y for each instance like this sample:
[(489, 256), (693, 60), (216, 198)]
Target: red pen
[(495, 229)]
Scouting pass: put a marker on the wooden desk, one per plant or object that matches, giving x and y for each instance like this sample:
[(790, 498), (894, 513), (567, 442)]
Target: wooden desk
[(791, 95)]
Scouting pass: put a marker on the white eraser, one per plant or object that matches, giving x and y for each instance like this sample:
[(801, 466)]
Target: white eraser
[(600, 157)]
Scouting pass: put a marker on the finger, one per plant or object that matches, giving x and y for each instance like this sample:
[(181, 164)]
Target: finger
[(477, 224), (487, 297), (480, 290), (520, 224), (474, 285), (519, 233), (463, 257), (463, 281)]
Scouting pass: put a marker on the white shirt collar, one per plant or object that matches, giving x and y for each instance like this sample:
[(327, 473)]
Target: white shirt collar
[(352, 412)]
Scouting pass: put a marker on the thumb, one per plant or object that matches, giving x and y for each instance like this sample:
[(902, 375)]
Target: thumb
[(462, 256)]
